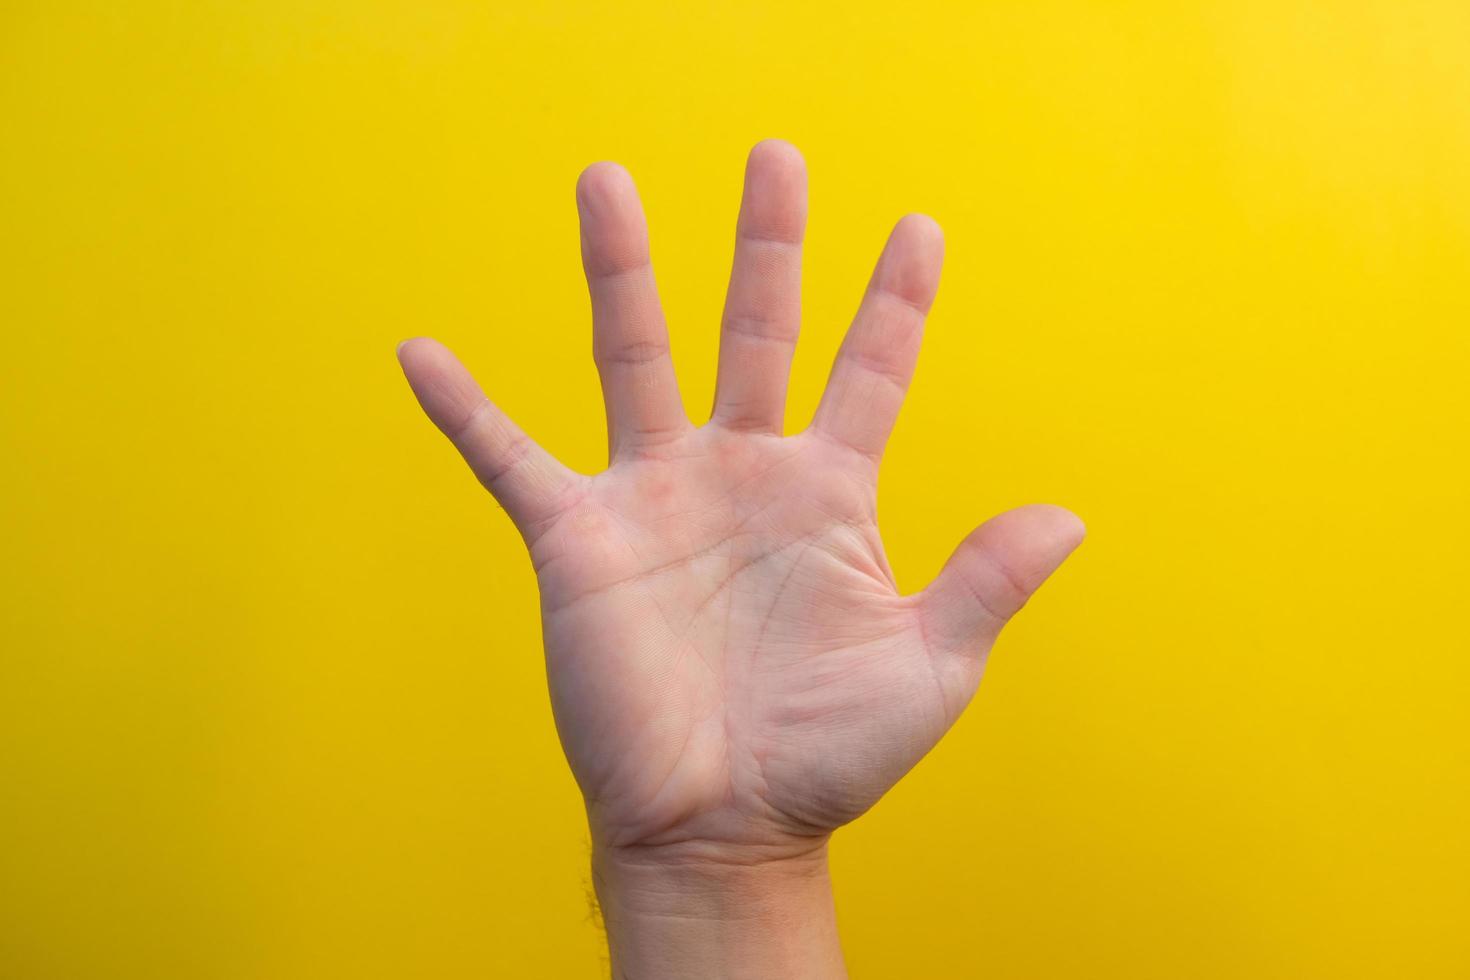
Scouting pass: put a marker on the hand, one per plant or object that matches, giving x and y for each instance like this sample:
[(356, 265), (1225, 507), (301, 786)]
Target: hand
[(733, 670)]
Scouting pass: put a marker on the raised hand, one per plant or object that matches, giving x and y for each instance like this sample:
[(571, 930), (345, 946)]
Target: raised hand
[(733, 670)]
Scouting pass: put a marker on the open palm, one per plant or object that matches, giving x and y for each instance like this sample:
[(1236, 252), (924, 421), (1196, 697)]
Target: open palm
[(731, 663)]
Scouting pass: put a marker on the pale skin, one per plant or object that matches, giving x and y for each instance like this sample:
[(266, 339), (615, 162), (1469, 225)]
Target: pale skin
[(733, 670)]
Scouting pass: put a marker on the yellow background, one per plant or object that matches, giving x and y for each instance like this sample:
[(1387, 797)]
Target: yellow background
[(271, 696)]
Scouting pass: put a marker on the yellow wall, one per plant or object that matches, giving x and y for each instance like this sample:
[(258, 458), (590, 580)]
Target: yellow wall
[(271, 699)]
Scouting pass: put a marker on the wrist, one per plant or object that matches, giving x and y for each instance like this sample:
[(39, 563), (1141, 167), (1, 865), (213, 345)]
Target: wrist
[(691, 910)]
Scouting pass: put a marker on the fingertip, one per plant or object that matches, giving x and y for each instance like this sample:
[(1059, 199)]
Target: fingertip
[(416, 352), (1070, 530), (776, 153), (1079, 528), (773, 205), (922, 230), (1052, 530), (912, 260), (614, 231), (601, 181), (408, 344)]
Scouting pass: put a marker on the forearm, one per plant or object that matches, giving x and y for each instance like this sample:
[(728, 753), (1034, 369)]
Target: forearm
[(700, 917)]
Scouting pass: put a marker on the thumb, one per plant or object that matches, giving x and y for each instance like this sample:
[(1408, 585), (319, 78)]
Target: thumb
[(993, 572)]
